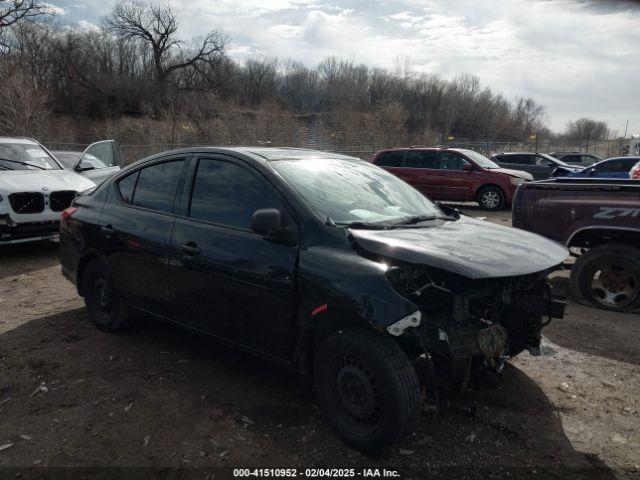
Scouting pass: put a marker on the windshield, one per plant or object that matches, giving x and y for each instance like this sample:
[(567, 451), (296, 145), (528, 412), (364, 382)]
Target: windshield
[(480, 159), (25, 156), (352, 191), (554, 160), (68, 159)]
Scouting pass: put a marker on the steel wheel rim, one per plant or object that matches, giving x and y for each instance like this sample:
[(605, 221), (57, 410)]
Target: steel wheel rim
[(103, 296), (356, 393), (490, 199), (614, 285)]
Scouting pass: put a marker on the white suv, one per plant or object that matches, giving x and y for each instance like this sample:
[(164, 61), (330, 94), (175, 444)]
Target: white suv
[(34, 189)]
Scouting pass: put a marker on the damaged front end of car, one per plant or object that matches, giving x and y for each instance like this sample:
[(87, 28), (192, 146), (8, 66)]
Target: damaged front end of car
[(466, 325)]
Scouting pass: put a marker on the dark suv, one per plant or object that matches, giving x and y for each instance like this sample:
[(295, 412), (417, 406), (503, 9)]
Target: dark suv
[(324, 263), (453, 174)]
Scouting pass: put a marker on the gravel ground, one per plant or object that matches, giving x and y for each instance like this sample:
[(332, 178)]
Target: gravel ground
[(75, 398)]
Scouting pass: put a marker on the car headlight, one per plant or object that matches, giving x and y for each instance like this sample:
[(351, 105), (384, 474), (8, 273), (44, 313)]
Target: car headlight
[(517, 180)]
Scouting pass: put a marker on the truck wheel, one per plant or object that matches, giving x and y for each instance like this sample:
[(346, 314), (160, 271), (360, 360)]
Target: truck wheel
[(608, 276), (106, 308), (367, 389), (491, 198)]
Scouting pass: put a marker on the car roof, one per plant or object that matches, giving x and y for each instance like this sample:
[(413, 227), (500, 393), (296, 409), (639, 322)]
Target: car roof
[(19, 140), (517, 153), (260, 154)]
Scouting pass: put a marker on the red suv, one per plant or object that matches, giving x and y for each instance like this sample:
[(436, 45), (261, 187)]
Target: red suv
[(453, 174)]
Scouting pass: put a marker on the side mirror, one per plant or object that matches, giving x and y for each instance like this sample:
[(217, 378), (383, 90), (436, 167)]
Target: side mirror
[(83, 168), (592, 172), (266, 220), (467, 167)]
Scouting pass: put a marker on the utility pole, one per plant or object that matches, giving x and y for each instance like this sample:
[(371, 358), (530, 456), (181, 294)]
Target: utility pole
[(625, 130)]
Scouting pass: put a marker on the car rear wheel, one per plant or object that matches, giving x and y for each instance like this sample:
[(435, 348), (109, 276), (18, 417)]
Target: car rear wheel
[(367, 389), (491, 198), (608, 276), (102, 299)]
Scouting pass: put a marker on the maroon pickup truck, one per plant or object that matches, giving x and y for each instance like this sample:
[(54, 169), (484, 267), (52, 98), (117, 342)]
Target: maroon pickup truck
[(599, 220)]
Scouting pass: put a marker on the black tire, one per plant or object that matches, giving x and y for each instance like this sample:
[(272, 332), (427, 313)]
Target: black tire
[(608, 276), (491, 198), (367, 389), (104, 303)]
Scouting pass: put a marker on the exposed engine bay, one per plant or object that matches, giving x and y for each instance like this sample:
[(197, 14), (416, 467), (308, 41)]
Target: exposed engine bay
[(464, 325)]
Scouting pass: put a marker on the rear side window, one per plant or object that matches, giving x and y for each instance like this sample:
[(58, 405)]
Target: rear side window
[(390, 159), (228, 194), (152, 187), (575, 159), (512, 159), (422, 159), (156, 186)]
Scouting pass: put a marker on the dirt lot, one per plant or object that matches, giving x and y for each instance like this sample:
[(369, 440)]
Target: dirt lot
[(72, 396)]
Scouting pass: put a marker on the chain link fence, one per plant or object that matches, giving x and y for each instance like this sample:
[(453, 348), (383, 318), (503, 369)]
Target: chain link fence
[(138, 140)]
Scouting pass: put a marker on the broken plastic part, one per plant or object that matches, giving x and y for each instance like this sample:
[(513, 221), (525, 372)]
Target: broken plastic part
[(398, 328)]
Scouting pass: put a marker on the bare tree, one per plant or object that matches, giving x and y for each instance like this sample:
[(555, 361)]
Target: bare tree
[(13, 12), (155, 27), (23, 106), (587, 129)]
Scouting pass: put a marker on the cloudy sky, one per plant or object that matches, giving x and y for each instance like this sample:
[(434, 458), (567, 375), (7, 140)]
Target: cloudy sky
[(578, 58)]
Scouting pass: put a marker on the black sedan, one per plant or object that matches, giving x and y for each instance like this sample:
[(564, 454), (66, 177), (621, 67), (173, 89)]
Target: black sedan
[(323, 263)]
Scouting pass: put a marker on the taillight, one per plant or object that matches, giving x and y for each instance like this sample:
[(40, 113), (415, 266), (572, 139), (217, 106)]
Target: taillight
[(66, 214)]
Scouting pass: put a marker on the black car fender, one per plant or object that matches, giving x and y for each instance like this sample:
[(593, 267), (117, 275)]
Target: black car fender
[(339, 289)]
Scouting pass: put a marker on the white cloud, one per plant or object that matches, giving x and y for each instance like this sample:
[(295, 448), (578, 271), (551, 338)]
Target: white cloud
[(54, 9), (575, 57)]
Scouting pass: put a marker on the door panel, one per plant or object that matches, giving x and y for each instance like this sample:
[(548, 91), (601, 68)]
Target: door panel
[(136, 240), (421, 170), (229, 281), (457, 183)]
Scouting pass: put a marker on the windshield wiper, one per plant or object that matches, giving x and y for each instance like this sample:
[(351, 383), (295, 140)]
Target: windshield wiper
[(421, 218), (26, 164), (365, 225)]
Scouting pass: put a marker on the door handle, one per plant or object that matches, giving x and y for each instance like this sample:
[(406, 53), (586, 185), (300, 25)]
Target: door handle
[(108, 230), (190, 248)]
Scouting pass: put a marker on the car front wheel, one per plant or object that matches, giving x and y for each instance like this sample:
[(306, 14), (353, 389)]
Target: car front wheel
[(491, 198), (367, 389)]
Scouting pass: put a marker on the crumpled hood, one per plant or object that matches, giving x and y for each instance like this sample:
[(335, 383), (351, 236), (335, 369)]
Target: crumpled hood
[(38, 180), (472, 248), (513, 173)]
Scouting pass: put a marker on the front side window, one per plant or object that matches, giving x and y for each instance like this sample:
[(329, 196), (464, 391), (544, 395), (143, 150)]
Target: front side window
[(452, 161), (343, 192), (23, 155), (99, 155), (228, 194), (480, 159), (152, 187), (544, 162)]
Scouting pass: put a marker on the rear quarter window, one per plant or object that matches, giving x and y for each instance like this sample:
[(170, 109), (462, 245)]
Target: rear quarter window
[(126, 186)]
